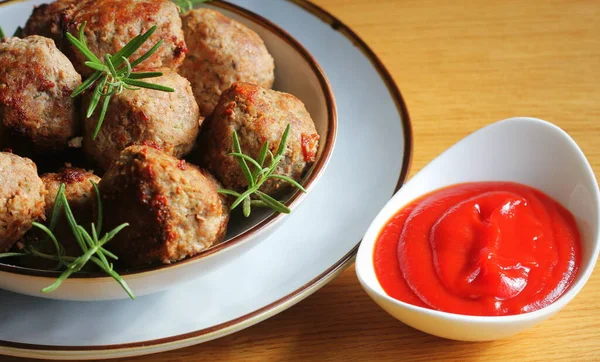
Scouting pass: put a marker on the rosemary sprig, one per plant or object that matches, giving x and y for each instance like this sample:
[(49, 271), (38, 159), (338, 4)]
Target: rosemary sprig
[(91, 246), (187, 5), (11, 255), (114, 73), (259, 175)]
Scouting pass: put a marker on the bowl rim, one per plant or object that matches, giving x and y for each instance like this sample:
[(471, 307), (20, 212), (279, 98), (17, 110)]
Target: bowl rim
[(316, 170), (364, 259)]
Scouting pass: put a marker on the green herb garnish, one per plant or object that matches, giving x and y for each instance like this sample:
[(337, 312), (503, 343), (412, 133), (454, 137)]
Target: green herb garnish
[(257, 177), (91, 246), (115, 73), (2, 36), (187, 5)]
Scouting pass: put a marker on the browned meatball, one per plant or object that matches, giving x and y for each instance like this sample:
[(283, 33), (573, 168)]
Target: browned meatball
[(168, 120), (222, 51), (21, 198), (173, 208), (49, 19), (81, 198), (36, 81), (78, 190), (258, 115), (113, 23)]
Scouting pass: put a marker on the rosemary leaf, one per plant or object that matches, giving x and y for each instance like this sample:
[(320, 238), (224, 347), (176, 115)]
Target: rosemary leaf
[(39, 254), (111, 67), (96, 66), (283, 142), (50, 234), (289, 180), (271, 169), (139, 83), (133, 45), (83, 49), (101, 117), (261, 159), (147, 55), (57, 207), (114, 232), (81, 34), (122, 282), (64, 276), (145, 75), (241, 162), (10, 255), (228, 192), (98, 228), (258, 203), (247, 158), (108, 253), (244, 195), (272, 203), (126, 72), (96, 96), (246, 206), (86, 237), (86, 84), (73, 223), (130, 87)]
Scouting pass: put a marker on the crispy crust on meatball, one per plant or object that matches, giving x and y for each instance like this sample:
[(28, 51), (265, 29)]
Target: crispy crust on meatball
[(48, 20), (173, 208), (166, 120), (36, 81), (110, 24), (222, 51), (21, 198), (78, 189), (258, 115)]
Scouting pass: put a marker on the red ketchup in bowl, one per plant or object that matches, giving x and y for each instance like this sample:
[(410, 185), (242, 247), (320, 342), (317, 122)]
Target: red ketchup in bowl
[(485, 248)]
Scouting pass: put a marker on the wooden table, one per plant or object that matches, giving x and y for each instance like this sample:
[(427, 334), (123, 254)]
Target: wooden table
[(460, 66)]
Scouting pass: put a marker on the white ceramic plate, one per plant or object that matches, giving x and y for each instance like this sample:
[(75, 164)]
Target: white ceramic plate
[(315, 243)]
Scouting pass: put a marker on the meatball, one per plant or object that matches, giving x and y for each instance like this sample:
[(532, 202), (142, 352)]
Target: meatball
[(173, 208), (48, 20), (21, 198), (78, 190), (81, 198), (222, 51), (258, 115), (110, 24), (36, 82), (168, 120)]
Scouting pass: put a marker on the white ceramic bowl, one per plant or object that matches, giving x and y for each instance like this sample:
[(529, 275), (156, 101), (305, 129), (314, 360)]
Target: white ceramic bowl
[(525, 150), (296, 72)]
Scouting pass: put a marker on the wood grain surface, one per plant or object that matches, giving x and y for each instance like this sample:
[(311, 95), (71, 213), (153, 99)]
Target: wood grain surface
[(460, 66)]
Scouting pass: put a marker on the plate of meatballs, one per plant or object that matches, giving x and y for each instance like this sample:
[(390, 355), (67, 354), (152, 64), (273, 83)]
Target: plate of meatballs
[(158, 158), (159, 155)]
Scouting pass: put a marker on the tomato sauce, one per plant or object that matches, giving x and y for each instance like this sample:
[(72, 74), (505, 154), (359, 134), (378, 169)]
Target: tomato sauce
[(486, 248)]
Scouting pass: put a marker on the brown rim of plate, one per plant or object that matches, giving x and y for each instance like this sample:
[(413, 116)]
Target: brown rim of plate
[(313, 285), (314, 173)]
